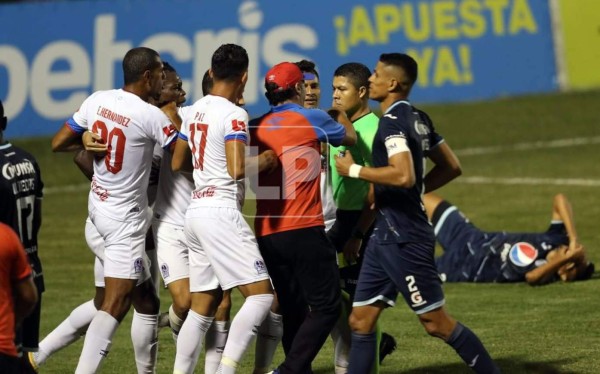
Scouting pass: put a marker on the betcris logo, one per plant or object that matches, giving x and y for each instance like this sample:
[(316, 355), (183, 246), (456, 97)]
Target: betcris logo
[(76, 48), (53, 54)]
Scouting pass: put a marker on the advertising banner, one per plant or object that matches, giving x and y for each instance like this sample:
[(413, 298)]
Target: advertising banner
[(54, 54), (580, 22)]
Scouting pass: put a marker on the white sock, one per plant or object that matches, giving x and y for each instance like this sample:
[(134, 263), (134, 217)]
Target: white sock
[(175, 322), (75, 325), (144, 335), (267, 340), (341, 336), (97, 342), (243, 330), (215, 340), (189, 343)]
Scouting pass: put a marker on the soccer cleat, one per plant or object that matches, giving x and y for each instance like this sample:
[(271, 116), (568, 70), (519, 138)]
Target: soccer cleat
[(276, 371), (163, 320), (386, 346), (28, 365)]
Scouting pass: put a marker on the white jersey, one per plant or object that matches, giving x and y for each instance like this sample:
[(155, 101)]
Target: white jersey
[(327, 201), (174, 189), (130, 127), (211, 122)]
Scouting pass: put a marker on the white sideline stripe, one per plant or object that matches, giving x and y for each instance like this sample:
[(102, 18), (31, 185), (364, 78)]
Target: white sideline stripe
[(560, 143), (530, 181), (67, 188), (464, 152)]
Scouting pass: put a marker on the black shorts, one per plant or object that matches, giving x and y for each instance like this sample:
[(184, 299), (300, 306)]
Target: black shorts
[(405, 267), (9, 364), (28, 335), (303, 261)]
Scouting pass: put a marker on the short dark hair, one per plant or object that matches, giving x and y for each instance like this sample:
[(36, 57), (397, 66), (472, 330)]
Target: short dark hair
[(307, 67), (358, 74), (136, 62), (275, 95), (587, 273), (404, 61), (207, 84), (229, 62), (168, 67)]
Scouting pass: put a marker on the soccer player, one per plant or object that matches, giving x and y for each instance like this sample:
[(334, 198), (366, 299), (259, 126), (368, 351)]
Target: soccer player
[(312, 100), (21, 208), (312, 84), (172, 199), (172, 92), (223, 250), (18, 294), (399, 255), (289, 226), (76, 324), (354, 216), (125, 128), (474, 255)]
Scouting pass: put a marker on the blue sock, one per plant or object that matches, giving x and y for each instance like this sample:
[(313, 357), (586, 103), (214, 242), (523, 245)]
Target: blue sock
[(471, 350), (362, 353)]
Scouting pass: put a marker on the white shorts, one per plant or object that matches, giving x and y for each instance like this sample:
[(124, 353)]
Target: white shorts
[(223, 249), (96, 244), (171, 250), (119, 245)]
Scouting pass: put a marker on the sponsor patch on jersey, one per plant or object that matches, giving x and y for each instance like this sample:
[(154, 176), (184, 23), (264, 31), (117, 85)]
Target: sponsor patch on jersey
[(260, 267), (138, 265), (164, 269), (522, 254)]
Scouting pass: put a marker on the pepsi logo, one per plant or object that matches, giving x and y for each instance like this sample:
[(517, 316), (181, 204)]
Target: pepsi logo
[(522, 254)]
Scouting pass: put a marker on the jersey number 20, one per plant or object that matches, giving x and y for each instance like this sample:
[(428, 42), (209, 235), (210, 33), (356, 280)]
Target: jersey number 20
[(116, 146)]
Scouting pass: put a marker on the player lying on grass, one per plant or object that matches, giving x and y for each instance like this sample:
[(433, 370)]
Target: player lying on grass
[(474, 255)]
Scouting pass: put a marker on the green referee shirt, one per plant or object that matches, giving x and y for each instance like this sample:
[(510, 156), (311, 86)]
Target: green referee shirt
[(350, 193)]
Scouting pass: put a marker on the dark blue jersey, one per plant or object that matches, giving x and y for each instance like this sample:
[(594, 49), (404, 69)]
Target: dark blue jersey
[(511, 255), (401, 214), (20, 199), (473, 255)]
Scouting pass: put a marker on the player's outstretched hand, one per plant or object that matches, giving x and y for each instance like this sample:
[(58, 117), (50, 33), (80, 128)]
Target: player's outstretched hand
[(351, 250), (94, 143), (343, 163)]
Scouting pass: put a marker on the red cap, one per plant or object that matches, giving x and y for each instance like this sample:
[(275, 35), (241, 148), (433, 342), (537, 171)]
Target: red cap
[(285, 75)]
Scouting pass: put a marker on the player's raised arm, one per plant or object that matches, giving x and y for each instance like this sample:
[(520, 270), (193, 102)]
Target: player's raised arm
[(562, 210), (446, 167), (182, 156), (66, 140), (545, 273)]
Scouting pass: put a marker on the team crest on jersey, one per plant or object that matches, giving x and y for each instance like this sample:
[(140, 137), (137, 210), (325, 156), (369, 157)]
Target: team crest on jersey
[(168, 130), (260, 267), (522, 254), (164, 269), (138, 265)]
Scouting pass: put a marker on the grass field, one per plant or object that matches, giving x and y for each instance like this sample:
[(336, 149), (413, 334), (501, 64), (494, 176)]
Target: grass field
[(550, 329)]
